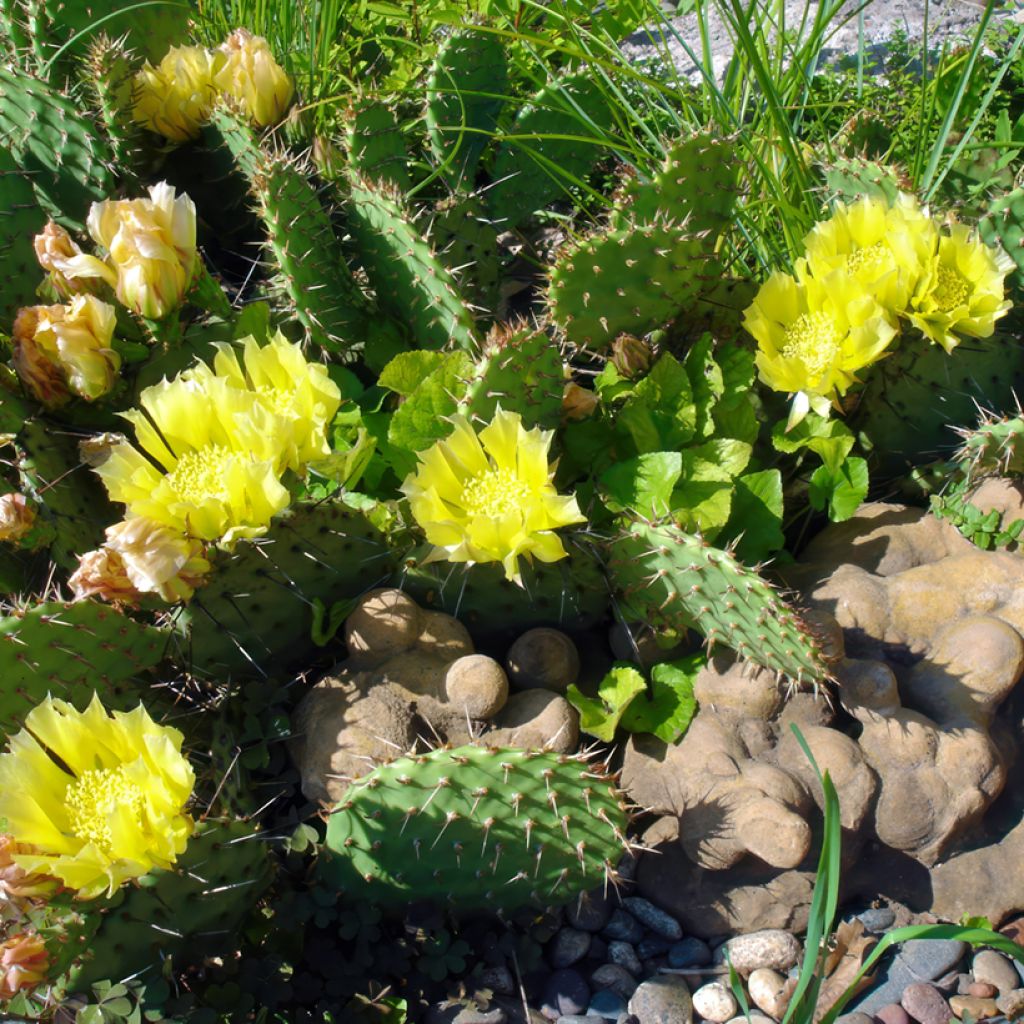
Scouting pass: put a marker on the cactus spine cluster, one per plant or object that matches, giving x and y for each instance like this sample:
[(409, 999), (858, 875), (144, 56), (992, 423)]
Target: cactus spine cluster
[(478, 828)]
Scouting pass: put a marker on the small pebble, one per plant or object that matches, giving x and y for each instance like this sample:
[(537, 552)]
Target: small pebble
[(569, 947), (657, 920), (854, 1018), (877, 919), (982, 989), (755, 1018), (664, 1000), (769, 991), (715, 1002), (613, 977), (929, 959), (772, 947), (892, 1014), (624, 927), (473, 1016), (608, 1004), (623, 954), (993, 968), (978, 1009), (949, 984), (926, 1004), (575, 1018), (566, 992), (1011, 1004), (691, 952), (598, 949), (498, 979), (652, 945), (590, 912)]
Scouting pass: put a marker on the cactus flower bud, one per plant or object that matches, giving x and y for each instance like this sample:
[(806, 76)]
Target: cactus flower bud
[(631, 356), (174, 98), (24, 963), (157, 559), (64, 350), (252, 78), (17, 517), (54, 247), (152, 247)]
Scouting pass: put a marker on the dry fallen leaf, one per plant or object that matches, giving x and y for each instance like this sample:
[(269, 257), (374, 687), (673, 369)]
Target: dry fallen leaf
[(850, 947)]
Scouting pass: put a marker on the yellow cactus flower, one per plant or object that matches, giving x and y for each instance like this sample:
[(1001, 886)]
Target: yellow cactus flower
[(490, 498), (814, 335), (883, 248), (251, 78), (100, 797), (176, 97), (961, 291), (210, 468), (24, 964), (64, 350), (157, 560), (152, 250), (54, 247), (299, 393)]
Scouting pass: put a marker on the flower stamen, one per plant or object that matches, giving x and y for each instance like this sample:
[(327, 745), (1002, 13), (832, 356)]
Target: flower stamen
[(94, 796)]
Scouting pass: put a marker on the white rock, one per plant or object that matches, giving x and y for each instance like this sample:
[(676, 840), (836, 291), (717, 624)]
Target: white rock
[(715, 1002), (992, 968), (769, 991), (754, 1018), (772, 947)]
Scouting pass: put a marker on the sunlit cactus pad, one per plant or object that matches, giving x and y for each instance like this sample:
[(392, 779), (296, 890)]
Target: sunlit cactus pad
[(478, 827)]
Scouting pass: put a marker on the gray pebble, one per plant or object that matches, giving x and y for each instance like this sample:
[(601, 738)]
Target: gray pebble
[(598, 949), (576, 1018), (570, 946), (657, 920), (664, 1000), (932, 958), (690, 952), (877, 919), (623, 954), (498, 979), (1011, 1004), (652, 945), (624, 927), (590, 911), (994, 968), (614, 977), (607, 1004), (565, 993), (892, 1014), (855, 1018), (926, 1004)]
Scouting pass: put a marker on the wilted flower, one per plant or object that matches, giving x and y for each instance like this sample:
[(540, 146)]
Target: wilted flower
[(883, 248), (54, 246), (578, 403), (490, 498), (253, 79), (24, 963), (60, 350), (176, 97), (100, 797), (17, 517), (298, 392), (102, 574), (15, 883), (814, 335), (157, 560), (961, 291), (219, 456), (152, 250)]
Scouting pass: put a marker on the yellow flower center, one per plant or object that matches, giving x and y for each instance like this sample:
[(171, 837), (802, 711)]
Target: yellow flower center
[(813, 340), (951, 289), (276, 399), (494, 493), (94, 796), (199, 474), (868, 256)]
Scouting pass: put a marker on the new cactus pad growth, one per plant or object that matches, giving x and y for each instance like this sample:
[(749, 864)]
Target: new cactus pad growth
[(674, 581), (996, 446), (477, 828)]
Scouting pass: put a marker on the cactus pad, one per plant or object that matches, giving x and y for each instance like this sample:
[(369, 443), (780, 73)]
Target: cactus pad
[(674, 581), (996, 446), (477, 827), (1003, 225)]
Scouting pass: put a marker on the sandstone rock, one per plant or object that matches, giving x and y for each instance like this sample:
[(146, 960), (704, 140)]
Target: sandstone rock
[(991, 967), (714, 1002), (543, 658), (384, 623), (476, 685), (662, 1000), (1011, 1004), (973, 1006), (443, 636), (769, 991), (926, 1004), (770, 948), (536, 719)]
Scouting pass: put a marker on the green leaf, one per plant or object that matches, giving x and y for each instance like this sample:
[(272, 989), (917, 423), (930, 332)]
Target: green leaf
[(706, 382), (661, 414), (702, 499), (599, 716), (829, 438), (89, 1015), (423, 418), (668, 712), (841, 491), (734, 414), (407, 371), (756, 515), (643, 484)]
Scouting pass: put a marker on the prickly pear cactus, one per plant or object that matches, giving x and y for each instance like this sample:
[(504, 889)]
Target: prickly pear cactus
[(675, 581), (849, 178), (71, 651), (268, 604), (466, 242), (376, 146), (995, 446), (21, 218), (1003, 224), (477, 827)]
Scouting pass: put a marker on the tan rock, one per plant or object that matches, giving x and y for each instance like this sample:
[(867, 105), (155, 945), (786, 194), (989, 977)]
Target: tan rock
[(443, 636), (725, 684), (769, 991), (476, 685), (384, 623), (538, 720), (543, 658)]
